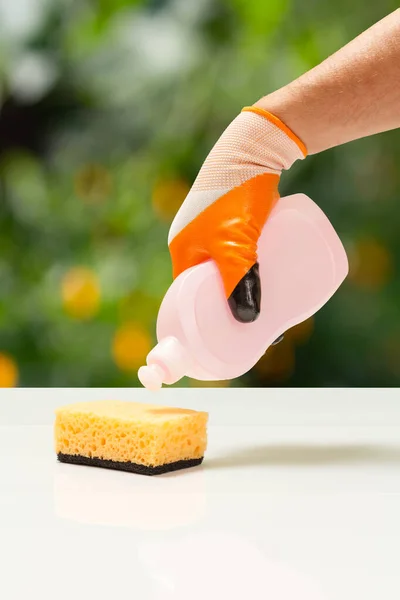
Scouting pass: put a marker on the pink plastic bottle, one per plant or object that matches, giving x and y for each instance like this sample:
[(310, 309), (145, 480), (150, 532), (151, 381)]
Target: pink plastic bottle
[(302, 264)]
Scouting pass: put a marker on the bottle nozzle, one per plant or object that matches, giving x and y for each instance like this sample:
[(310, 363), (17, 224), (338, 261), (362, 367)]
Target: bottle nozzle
[(151, 377), (166, 363)]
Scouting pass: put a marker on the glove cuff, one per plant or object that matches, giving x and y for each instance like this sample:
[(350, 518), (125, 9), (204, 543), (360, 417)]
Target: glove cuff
[(276, 121)]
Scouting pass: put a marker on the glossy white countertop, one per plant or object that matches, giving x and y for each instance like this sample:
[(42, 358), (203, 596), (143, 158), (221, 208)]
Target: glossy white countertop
[(298, 499)]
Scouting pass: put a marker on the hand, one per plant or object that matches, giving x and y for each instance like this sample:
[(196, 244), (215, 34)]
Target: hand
[(224, 213)]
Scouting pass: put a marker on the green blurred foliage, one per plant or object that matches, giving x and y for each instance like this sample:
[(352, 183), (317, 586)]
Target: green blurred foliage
[(103, 102)]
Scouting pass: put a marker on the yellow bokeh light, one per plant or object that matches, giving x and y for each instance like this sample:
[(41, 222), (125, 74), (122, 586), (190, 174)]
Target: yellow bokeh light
[(278, 362), (80, 293), (209, 384), (301, 333), (168, 196), (130, 346), (8, 371), (371, 264)]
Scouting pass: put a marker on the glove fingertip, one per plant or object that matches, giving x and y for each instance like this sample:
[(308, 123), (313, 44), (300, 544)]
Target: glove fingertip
[(245, 300)]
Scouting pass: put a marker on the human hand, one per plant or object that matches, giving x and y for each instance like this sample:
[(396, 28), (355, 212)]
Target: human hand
[(224, 213)]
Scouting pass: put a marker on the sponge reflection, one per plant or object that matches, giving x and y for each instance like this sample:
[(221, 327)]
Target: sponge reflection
[(102, 497)]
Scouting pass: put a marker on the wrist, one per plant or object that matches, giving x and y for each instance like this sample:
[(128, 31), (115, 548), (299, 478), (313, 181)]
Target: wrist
[(290, 106), (305, 106)]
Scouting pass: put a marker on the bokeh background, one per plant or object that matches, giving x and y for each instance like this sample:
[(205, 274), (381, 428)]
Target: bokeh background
[(107, 110)]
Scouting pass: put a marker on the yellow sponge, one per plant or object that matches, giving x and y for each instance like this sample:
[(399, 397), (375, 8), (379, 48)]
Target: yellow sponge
[(142, 438)]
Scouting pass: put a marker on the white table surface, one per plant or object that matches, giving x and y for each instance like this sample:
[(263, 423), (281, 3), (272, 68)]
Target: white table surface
[(298, 499)]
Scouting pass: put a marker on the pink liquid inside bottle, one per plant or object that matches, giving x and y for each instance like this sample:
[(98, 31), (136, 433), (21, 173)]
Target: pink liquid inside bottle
[(302, 264)]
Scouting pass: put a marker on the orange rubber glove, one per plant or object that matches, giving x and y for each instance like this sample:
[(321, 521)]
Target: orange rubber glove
[(224, 213)]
